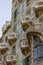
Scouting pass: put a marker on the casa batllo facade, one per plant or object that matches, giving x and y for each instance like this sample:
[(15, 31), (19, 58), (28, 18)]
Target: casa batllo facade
[(22, 37)]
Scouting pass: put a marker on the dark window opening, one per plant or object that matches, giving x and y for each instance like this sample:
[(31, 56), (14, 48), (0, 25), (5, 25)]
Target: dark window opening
[(26, 61), (15, 14), (6, 39), (38, 50)]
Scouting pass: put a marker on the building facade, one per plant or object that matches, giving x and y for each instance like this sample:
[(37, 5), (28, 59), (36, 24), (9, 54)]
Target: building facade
[(22, 37)]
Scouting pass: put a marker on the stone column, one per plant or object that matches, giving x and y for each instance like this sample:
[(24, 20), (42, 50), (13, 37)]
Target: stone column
[(32, 56)]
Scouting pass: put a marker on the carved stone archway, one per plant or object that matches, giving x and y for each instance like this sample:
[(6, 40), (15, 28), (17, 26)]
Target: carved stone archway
[(32, 33), (30, 36)]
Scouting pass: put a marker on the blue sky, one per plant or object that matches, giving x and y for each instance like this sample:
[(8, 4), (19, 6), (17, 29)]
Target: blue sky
[(5, 13)]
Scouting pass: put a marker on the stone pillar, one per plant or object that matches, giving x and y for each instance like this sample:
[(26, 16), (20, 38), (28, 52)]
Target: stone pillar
[(32, 56)]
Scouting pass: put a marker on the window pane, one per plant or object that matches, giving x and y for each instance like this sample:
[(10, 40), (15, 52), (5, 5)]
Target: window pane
[(37, 41), (35, 53), (40, 50)]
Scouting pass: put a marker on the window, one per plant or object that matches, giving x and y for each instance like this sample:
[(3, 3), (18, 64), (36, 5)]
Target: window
[(37, 41), (15, 14), (35, 53), (38, 50), (38, 54)]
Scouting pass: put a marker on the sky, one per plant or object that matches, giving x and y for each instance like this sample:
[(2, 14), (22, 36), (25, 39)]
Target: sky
[(5, 13)]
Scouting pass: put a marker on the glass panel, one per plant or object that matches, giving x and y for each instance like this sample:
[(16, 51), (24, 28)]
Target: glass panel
[(37, 41), (35, 53), (40, 50)]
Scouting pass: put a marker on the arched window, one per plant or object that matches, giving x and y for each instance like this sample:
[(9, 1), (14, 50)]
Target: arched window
[(38, 50)]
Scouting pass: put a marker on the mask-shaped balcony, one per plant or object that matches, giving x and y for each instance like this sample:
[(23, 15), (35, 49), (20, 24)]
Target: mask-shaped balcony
[(27, 24), (12, 38), (37, 27), (3, 47), (25, 47), (38, 8), (11, 59)]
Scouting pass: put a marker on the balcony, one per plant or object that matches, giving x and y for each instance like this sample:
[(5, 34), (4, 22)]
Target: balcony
[(11, 59), (27, 24), (3, 47), (38, 8), (12, 38), (37, 28), (25, 47)]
